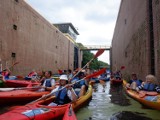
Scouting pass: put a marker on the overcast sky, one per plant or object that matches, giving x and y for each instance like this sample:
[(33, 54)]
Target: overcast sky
[(94, 19)]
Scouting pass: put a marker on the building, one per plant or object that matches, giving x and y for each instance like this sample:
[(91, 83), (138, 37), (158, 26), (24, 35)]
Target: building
[(27, 37), (136, 43), (71, 33)]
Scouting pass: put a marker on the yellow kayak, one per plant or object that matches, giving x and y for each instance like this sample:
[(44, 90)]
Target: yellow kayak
[(149, 99)]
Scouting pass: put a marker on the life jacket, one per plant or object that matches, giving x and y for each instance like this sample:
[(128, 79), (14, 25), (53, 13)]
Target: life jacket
[(48, 82), (138, 82), (78, 84), (62, 97), (149, 86)]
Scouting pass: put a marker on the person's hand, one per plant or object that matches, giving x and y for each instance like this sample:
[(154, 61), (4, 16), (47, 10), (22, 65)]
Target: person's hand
[(69, 86), (44, 97)]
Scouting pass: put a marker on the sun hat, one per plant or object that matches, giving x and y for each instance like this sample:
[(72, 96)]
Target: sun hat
[(63, 77)]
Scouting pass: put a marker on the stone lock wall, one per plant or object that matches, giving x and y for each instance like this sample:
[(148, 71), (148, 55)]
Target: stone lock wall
[(27, 37)]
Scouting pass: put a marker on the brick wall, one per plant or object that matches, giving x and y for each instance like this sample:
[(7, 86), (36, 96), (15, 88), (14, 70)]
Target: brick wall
[(130, 44), (156, 28), (36, 43)]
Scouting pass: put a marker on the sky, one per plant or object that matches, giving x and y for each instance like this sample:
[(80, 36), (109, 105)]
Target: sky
[(94, 19)]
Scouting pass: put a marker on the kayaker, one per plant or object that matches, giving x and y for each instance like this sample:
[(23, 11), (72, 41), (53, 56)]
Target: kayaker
[(40, 76), (6, 73), (134, 82), (117, 75), (65, 95), (82, 86), (31, 76), (49, 83), (149, 84)]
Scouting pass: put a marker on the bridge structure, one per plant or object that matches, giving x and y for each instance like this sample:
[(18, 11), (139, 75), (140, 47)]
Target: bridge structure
[(96, 47)]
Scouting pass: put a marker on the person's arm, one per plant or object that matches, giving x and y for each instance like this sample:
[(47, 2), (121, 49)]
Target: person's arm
[(128, 84), (52, 93), (71, 93)]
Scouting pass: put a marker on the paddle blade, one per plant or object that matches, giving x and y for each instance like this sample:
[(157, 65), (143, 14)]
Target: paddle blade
[(122, 67), (96, 73), (60, 72), (100, 51)]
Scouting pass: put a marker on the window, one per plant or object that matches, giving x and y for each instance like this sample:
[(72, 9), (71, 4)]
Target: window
[(15, 27), (16, 0), (13, 55)]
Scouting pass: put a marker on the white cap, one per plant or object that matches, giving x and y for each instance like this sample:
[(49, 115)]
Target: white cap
[(63, 77)]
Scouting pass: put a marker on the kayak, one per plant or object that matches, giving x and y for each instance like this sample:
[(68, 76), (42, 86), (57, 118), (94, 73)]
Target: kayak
[(149, 99), (41, 111), (116, 81), (19, 96), (19, 83), (69, 113)]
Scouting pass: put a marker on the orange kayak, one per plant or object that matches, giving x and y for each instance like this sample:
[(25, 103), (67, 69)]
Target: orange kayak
[(41, 111), (149, 100)]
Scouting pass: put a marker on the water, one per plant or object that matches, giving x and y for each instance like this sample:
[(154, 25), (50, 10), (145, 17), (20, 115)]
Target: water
[(111, 103)]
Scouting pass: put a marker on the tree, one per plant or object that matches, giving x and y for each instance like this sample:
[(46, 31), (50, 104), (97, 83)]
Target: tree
[(87, 56)]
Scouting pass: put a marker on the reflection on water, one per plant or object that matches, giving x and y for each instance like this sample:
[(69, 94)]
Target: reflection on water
[(117, 95), (111, 103), (126, 115)]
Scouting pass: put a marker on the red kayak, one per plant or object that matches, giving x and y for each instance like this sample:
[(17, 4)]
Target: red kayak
[(41, 111), (19, 83), (20, 96), (69, 114), (116, 81)]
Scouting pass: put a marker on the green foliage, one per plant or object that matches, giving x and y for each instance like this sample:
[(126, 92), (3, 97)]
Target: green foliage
[(95, 64)]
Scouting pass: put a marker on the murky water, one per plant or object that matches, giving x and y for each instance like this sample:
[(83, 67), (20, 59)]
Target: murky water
[(111, 103)]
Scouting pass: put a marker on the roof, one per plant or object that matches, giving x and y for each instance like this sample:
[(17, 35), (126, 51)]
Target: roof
[(69, 24)]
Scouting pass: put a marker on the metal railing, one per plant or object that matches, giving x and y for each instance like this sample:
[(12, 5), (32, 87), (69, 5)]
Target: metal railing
[(95, 47)]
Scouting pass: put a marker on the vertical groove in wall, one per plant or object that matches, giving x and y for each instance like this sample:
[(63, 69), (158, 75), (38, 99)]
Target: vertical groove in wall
[(152, 59)]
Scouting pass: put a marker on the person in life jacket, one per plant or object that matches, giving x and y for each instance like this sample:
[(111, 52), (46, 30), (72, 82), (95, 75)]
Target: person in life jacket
[(31, 75), (134, 82), (49, 83), (6, 73), (64, 92), (82, 86), (149, 84)]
